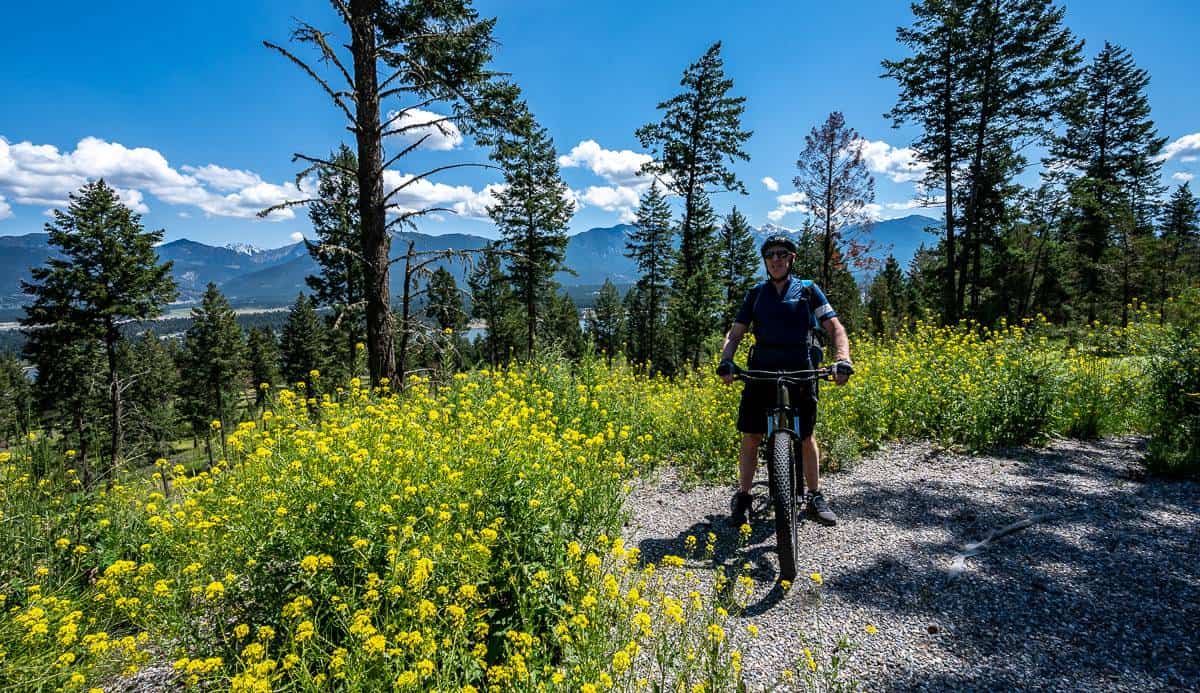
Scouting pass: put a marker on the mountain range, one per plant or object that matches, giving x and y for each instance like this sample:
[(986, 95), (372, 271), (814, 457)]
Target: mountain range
[(266, 278)]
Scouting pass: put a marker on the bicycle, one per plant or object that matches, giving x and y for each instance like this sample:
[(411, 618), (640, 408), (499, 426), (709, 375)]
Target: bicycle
[(780, 442)]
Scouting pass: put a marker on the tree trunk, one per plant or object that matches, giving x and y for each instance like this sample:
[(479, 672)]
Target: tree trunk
[(114, 393), (381, 344), (950, 293), (402, 356)]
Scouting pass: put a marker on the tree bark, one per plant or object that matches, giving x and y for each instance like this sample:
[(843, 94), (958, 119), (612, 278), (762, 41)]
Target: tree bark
[(376, 244), (114, 393)]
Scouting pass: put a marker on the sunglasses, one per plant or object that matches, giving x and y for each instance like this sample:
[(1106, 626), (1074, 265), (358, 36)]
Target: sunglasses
[(776, 254)]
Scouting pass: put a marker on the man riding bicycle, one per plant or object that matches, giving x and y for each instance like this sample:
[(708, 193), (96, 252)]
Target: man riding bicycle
[(782, 311)]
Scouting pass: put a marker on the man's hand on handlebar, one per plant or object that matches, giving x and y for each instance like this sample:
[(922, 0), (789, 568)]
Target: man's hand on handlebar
[(725, 369), (842, 370)]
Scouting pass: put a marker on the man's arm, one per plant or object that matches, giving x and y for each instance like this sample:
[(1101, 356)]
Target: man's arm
[(841, 345), (732, 339)]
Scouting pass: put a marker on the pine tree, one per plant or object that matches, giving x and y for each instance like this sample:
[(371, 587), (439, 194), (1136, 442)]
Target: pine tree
[(838, 189), (1104, 158), (71, 392), (16, 400), (1179, 266), (694, 306), (302, 345), (213, 367), (739, 262), (986, 79), (532, 213), (562, 323), (694, 147), (934, 95), (262, 360), (444, 302), (492, 302), (341, 284), (106, 273), (635, 305), (887, 299), (154, 382), (430, 52), (606, 324), (649, 244)]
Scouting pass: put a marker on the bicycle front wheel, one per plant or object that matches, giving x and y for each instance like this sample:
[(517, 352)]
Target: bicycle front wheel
[(783, 498)]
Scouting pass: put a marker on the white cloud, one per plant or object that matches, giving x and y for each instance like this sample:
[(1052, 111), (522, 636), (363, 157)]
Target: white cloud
[(874, 211), (42, 175), (5, 209), (771, 183), (416, 124), (223, 179), (1188, 144), (424, 194), (899, 164), (787, 204), (185, 215), (297, 237), (616, 198), (619, 168), (1189, 159), (1182, 176)]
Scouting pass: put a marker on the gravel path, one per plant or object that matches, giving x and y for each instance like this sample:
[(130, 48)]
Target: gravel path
[(1101, 592)]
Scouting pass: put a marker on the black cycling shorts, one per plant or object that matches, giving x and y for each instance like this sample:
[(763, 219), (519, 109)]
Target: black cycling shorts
[(757, 397)]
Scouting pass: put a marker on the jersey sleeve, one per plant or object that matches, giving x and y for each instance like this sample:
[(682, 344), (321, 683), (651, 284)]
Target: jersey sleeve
[(819, 304), (745, 314)]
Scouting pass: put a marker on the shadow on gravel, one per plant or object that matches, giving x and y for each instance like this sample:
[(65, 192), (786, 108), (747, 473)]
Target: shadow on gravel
[(1105, 589)]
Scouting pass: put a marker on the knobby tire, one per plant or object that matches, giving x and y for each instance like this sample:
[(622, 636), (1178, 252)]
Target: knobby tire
[(783, 498)]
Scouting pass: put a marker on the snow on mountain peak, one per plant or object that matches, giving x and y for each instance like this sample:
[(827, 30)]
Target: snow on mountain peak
[(243, 248)]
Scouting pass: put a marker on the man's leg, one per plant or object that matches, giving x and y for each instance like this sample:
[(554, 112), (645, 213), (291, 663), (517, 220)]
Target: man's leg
[(817, 505), (811, 455), (748, 460), (739, 506)]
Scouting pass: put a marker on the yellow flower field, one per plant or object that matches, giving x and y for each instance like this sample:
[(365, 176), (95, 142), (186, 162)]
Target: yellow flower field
[(456, 537)]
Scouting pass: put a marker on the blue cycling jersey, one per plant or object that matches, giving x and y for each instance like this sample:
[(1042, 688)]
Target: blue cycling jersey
[(781, 321)]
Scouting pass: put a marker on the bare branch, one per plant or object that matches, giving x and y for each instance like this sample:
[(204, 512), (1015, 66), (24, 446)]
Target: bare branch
[(285, 205), (407, 217), (437, 123), (403, 111), (333, 249), (324, 162), (309, 33), (404, 152), (430, 172), (317, 78)]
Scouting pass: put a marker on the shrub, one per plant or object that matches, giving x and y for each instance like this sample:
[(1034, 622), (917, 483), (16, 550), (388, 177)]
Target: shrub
[(1175, 407)]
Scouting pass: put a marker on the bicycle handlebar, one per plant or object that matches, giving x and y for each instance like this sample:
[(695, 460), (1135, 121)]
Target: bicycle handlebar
[(826, 373)]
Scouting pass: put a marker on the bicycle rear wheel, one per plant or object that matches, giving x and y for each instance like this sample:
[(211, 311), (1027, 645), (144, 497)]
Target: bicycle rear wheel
[(783, 499)]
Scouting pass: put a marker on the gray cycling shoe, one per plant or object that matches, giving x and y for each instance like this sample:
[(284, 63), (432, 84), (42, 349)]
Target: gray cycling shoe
[(739, 509), (819, 509)]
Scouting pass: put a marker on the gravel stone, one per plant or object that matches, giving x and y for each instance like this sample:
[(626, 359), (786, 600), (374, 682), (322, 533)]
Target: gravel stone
[(1100, 591)]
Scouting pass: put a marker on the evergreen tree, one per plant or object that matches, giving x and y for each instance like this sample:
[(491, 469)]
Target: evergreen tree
[(302, 345), (985, 80), (562, 323), (16, 400), (887, 299), (838, 189), (694, 306), (213, 367), (430, 52), (71, 392), (638, 318), (739, 262), (532, 213), (606, 324), (694, 147), (492, 302), (106, 273), (341, 284), (1179, 267), (263, 359), (1105, 157), (154, 382), (444, 302), (650, 247), (934, 96)]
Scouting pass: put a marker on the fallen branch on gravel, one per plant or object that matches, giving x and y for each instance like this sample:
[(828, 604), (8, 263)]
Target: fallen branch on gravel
[(959, 563)]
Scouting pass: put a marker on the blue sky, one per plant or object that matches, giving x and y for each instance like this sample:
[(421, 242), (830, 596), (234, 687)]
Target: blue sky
[(181, 107)]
